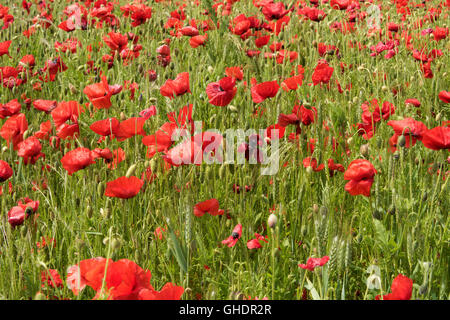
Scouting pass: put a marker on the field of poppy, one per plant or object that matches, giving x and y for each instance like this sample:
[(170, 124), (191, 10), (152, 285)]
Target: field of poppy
[(114, 117)]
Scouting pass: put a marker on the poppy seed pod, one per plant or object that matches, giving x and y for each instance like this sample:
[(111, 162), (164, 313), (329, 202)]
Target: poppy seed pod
[(272, 221)]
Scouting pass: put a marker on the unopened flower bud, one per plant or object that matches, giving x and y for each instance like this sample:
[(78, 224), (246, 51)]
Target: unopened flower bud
[(364, 149), (401, 141), (272, 221)]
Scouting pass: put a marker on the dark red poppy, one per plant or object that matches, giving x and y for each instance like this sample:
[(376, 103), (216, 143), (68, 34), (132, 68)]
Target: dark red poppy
[(176, 87), (360, 172), (401, 289), (9, 109), (221, 93), (322, 73), (124, 187), (235, 236), (5, 171), (116, 41), (51, 278), (437, 138), (210, 206), (77, 159), (332, 167), (264, 90), (313, 263)]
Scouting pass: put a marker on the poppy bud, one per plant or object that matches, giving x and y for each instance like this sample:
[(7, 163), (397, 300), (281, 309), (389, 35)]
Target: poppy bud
[(131, 170), (384, 88), (349, 140), (4, 149), (272, 221), (438, 116), (401, 141), (210, 69), (123, 117), (309, 170), (141, 68), (364, 150), (105, 240), (72, 89), (89, 211), (153, 100), (115, 244)]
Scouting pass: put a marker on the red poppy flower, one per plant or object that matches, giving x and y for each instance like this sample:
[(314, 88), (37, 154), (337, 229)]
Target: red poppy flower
[(221, 93), (312, 14), (256, 243), (322, 73), (16, 216), (44, 130), (161, 141), (77, 159), (129, 128), (440, 33), (13, 129), (9, 109), (124, 187), (30, 150), (189, 31), (401, 289), (360, 172), (210, 206), (235, 236), (44, 105), (65, 111), (235, 72), (4, 48), (10, 78), (373, 112), (313, 263), (334, 167), (437, 138), (5, 171), (264, 90), (168, 292), (176, 87), (198, 40), (412, 101), (106, 127), (99, 94), (444, 96), (312, 162), (116, 41), (269, 133), (51, 278), (410, 128)]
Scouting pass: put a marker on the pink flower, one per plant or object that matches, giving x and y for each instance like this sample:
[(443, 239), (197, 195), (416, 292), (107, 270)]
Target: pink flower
[(312, 263)]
